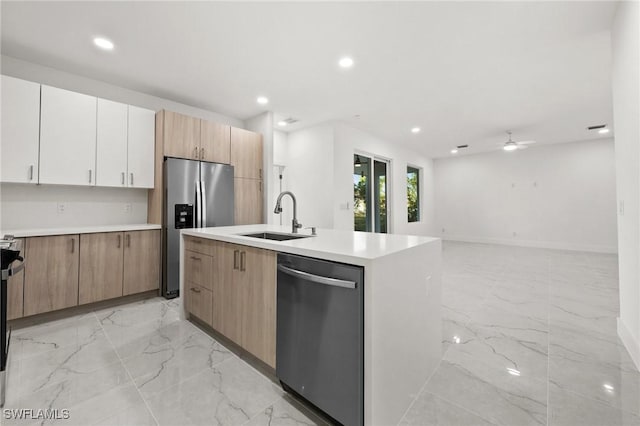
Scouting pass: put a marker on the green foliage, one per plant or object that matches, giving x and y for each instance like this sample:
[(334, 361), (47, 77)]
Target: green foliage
[(413, 200)]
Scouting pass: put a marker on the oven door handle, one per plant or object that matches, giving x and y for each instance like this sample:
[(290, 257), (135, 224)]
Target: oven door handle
[(6, 273), (317, 278)]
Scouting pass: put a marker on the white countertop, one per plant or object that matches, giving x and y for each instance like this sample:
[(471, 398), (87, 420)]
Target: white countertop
[(343, 246), (21, 233)]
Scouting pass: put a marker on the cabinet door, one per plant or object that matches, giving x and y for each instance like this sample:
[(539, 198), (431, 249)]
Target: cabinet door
[(258, 295), (226, 294), (111, 144), (20, 130), (67, 137), (101, 257), (198, 269), (246, 153), (51, 277), (141, 147), (248, 201), (15, 293), (199, 302), (215, 142), (181, 136), (141, 261)]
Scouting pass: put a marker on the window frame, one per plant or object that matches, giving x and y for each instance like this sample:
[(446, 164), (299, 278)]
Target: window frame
[(410, 169)]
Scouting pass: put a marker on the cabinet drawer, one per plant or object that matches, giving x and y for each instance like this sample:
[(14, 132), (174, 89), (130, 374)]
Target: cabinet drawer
[(199, 302), (199, 245), (198, 269)]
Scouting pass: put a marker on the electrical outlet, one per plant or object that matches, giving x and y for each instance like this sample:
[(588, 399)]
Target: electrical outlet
[(61, 208), (514, 234), (443, 230), (127, 208)]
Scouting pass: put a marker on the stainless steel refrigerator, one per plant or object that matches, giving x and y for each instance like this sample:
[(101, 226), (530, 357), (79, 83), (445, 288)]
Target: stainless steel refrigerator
[(198, 194)]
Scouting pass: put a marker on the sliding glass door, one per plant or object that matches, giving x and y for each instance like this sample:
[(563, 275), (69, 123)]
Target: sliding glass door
[(370, 212)]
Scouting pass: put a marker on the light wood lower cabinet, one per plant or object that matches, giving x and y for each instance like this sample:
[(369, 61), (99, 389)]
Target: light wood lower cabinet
[(15, 292), (243, 304), (141, 261), (199, 300), (101, 266), (67, 270), (51, 273)]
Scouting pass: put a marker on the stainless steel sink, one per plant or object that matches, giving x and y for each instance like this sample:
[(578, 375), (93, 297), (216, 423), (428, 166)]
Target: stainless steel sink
[(275, 236)]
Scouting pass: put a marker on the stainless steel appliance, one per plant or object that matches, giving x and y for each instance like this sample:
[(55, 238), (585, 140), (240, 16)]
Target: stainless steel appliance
[(320, 335), (9, 253), (198, 194)]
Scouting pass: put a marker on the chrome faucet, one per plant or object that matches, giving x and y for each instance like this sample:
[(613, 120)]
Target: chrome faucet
[(295, 225)]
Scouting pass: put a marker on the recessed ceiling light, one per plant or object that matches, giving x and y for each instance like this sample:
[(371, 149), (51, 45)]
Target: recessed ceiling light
[(262, 100), (454, 151), (603, 131), (415, 130), (346, 62), (103, 43), (282, 123)]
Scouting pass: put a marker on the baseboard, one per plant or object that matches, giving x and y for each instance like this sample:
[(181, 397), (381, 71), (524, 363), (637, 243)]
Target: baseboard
[(536, 244), (632, 345)]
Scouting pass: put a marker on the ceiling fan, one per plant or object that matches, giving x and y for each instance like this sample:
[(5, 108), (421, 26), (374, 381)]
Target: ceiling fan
[(512, 145)]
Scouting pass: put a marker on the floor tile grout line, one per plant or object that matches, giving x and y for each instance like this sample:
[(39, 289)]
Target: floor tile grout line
[(128, 372)]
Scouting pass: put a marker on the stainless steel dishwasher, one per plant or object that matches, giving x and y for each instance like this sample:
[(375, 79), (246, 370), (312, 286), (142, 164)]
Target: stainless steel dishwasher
[(320, 335)]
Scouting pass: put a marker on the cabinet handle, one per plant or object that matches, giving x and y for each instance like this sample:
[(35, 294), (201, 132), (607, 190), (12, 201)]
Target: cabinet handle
[(195, 152), (73, 245), (122, 178), (195, 290), (90, 175), (131, 183), (243, 260), (119, 240), (195, 258), (128, 240), (260, 186), (235, 259), (202, 153), (31, 172)]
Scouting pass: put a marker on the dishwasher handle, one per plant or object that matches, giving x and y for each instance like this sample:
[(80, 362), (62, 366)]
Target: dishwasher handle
[(317, 278)]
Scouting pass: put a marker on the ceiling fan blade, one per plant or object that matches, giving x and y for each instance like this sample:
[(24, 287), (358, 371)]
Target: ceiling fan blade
[(522, 146), (525, 142)]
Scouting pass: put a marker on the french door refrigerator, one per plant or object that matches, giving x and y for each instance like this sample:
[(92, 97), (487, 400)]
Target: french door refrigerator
[(198, 194)]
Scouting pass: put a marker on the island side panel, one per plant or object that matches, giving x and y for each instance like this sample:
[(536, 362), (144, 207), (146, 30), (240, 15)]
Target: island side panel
[(403, 329)]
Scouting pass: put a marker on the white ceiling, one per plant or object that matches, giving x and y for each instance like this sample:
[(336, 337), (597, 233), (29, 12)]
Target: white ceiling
[(462, 71)]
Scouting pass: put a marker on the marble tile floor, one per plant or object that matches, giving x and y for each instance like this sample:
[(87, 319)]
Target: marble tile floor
[(529, 338)]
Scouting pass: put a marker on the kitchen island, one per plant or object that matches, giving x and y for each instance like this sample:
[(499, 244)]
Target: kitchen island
[(402, 292)]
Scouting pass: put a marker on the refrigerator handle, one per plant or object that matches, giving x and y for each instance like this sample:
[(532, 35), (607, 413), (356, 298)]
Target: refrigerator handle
[(198, 204), (203, 198)]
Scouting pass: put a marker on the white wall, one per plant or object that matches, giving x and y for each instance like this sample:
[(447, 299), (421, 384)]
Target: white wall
[(554, 196), (36, 206), (319, 171), (30, 206), (626, 114)]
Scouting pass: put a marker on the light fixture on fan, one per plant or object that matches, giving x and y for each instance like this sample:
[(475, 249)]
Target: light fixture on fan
[(512, 145)]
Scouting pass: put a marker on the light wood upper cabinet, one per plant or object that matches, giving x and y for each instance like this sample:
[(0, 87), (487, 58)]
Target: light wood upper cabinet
[(215, 142), (67, 137), (101, 264), (181, 136), (20, 130), (246, 153), (257, 281), (15, 292), (51, 273), (248, 203), (111, 144), (141, 261)]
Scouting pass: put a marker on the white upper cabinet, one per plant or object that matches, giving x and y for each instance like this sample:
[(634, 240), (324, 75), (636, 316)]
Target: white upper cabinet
[(141, 147), (111, 147), (67, 137), (20, 130)]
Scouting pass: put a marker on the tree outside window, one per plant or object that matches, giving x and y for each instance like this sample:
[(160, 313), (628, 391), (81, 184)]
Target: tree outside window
[(413, 194)]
